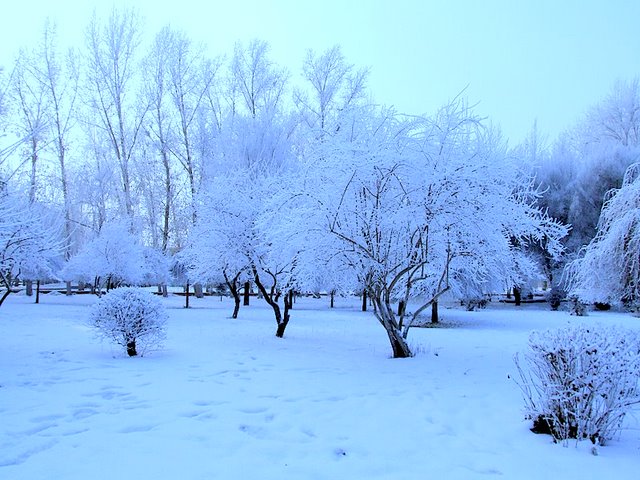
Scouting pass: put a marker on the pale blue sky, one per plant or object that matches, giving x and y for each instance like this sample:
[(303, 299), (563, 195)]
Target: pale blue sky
[(522, 60)]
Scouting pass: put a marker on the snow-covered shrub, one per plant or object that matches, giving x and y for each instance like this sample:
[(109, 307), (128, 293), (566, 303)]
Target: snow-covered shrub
[(579, 382), (131, 318)]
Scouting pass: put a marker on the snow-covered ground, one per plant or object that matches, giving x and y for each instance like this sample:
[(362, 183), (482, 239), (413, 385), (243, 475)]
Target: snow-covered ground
[(225, 399)]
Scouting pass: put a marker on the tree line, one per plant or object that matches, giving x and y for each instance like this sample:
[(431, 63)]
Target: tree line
[(130, 166)]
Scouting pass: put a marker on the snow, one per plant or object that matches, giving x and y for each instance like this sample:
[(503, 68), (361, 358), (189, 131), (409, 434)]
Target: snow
[(226, 399)]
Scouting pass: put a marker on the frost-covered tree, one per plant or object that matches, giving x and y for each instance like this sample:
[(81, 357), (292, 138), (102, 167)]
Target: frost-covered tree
[(29, 95), (190, 76), (3, 92), (255, 153), (616, 118), (95, 183), (234, 237), (30, 242), (416, 201), (5, 147), (589, 160), (321, 264), (158, 126), (333, 85), (257, 84), (608, 269), (112, 66), (58, 80), (601, 168), (221, 244), (116, 257)]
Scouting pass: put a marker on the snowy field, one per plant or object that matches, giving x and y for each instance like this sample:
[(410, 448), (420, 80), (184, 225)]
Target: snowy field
[(225, 399)]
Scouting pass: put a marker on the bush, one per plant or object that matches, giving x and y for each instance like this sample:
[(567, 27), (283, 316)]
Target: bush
[(131, 318), (580, 381)]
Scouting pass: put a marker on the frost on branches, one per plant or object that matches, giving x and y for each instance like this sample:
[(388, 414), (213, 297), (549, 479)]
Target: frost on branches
[(130, 317), (609, 269), (116, 257), (425, 206), (579, 382), (30, 246), (221, 243)]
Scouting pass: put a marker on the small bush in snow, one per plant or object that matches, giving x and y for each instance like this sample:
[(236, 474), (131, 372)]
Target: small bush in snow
[(130, 317), (579, 382)]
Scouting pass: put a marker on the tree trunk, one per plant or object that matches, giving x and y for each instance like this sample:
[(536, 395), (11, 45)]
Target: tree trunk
[(34, 160), (401, 307), (398, 344), (4, 296), (435, 318), (247, 286), (384, 314), (38, 291), (186, 296), (65, 197), (364, 300), (167, 194), (236, 305), (197, 290), (68, 285), (517, 296), (281, 321), (7, 284), (29, 288), (233, 288), (288, 305), (332, 294), (131, 348)]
